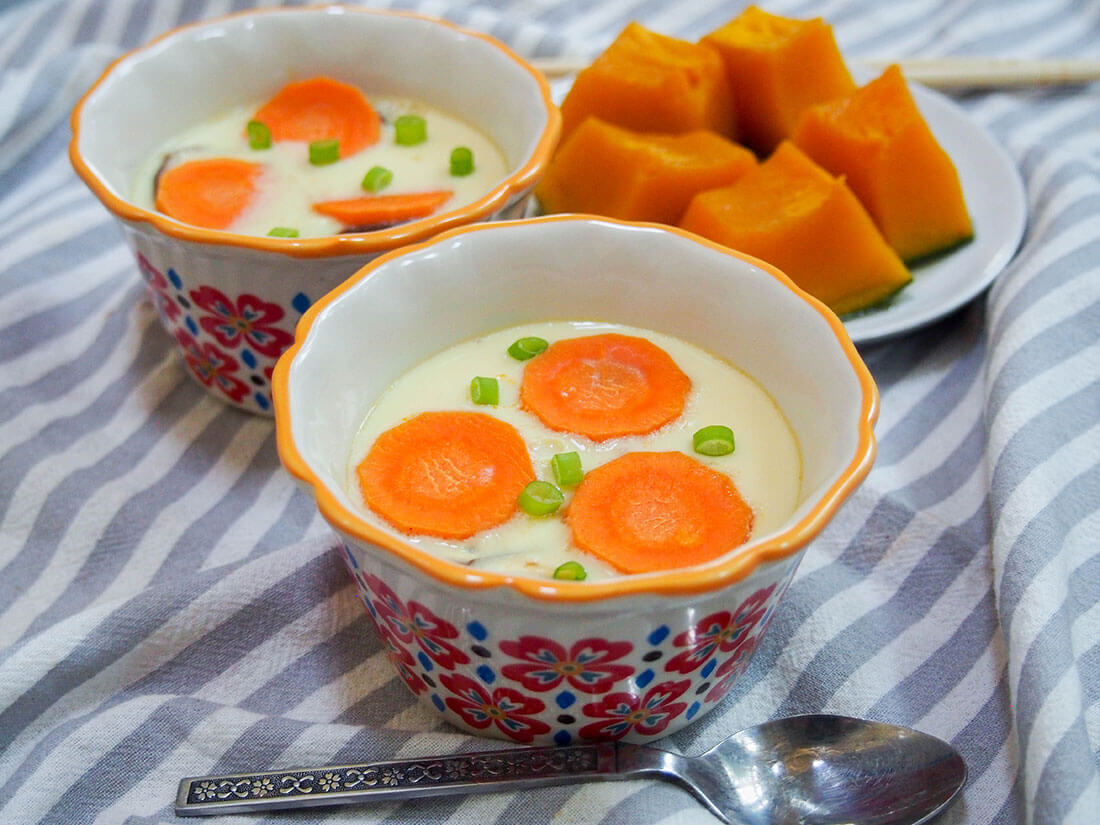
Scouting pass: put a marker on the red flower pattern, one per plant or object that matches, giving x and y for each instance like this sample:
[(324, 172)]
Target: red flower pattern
[(509, 709), (587, 665), (212, 366), (620, 713), (729, 670), (401, 660), (249, 319), (415, 622), (722, 631), (162, 299)]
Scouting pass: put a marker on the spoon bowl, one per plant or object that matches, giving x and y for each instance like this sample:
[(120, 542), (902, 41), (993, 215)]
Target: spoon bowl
[(813, 770), (821, 769)]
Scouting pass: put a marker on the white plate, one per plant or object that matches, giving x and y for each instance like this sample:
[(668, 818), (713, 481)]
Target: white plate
[(994, 194)]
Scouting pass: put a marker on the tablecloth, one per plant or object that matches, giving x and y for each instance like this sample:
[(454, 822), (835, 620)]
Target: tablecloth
[(170, 603)]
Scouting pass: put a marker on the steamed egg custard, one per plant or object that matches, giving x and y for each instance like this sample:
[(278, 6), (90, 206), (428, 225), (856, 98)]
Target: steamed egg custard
[(319, 158), (575, 450)]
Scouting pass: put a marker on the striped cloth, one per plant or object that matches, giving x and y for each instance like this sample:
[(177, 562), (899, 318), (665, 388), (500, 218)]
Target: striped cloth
[(170, 604)]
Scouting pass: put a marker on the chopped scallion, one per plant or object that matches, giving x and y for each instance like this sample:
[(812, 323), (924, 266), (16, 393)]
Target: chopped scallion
[(540, 498), (716, 439), (567, 469), (283, 232), (409, 130), (259, 136), (377, 179), (323, 152), (526, 348), (462, 161), (571, 571), (485, 390)]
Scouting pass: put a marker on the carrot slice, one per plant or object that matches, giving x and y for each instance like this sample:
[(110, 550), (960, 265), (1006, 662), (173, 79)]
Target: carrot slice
[(383, 209), (446, 474), (604, 386), (656, 511), (322, 109), (209, 193)]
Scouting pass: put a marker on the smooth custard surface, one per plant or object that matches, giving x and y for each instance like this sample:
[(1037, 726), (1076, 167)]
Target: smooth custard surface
[(766, 465), (290, 184)]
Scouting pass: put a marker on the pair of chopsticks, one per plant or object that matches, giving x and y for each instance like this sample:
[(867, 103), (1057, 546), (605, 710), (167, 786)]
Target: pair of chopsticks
[(947, 73)]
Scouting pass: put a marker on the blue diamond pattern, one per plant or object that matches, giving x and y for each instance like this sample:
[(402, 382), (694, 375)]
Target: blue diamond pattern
[(477, 630), (438, 702), (248, 358), (658, 635), (562, 737), (425, 662), (191, 325), (708, 668), (565, 699), (174, 277), (486, 674), (301, 302), (351, 557), (643, 678), (694, 709), (262, 401)]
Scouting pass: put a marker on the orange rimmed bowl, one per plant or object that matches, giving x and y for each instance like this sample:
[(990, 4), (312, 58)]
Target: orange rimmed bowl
[(231, 301), (546, 661)]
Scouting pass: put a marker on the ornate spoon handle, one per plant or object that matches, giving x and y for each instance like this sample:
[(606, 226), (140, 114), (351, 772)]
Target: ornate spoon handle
[(348, 784)]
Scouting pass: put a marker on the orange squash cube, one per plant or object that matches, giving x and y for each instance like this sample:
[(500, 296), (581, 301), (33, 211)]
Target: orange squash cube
[(793, 214), (877, 138), (611, 171), (650, 82), (777, 67)]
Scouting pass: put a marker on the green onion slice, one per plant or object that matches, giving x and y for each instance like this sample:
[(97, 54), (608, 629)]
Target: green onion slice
[(377, 179), (567, 469), (540, 498), (571, 571), (462, 161), (283, 232), (323, 152), (716, 439), (409, 130), (526, 348), (259, 136), (485, 390)]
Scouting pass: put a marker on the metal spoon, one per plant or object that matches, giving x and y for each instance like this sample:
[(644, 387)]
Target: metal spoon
[(808, 769)]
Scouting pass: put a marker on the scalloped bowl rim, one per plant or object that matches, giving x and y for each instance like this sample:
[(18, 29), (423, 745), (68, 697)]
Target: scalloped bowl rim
[(731, 568), (520, 178)]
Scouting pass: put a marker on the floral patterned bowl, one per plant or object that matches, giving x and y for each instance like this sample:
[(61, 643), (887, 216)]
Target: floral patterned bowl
[(549, 661), (231, 301)]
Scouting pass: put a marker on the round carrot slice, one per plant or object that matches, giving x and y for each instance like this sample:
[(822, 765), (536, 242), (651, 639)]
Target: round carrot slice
[(656, 511), (209, 193), (321, 109), (604, 386), (377, 210), (446, 474)]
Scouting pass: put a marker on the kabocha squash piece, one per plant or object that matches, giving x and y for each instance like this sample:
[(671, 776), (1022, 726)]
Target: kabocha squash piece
[(777, 67), (877, 138), (793, 214), (606, 170), (650, 82)]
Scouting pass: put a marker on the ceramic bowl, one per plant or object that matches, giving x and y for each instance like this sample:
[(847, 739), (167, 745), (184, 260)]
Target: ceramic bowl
[(547, 661), (231, 301)]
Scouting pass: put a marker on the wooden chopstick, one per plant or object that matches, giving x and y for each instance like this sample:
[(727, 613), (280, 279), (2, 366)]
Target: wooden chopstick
[(938, 72)]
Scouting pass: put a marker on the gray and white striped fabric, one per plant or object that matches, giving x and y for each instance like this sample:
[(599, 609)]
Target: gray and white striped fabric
[(171, 605)]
